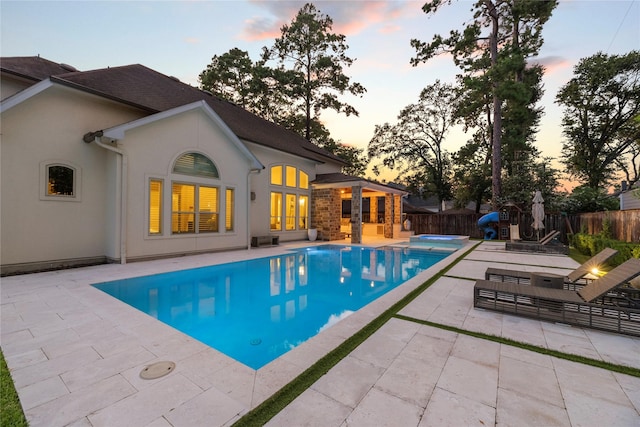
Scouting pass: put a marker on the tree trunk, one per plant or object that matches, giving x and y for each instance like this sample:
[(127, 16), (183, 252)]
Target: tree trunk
[(496, 161)]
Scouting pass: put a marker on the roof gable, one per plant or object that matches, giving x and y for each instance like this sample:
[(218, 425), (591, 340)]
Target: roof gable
[(118, 132), (153, 92)]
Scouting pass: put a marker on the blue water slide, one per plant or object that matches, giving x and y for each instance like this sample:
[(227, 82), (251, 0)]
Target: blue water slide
[(485, 223)]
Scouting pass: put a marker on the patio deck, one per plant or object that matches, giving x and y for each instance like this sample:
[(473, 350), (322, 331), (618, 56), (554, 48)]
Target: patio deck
[(75, 355)]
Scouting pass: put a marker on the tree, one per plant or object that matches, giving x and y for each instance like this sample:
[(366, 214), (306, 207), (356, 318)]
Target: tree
[(255, 87), (587, 199), (229, 76), (414, 144), (472, 174), (319, 57), (601, 105), (531, 173), (492, 51)]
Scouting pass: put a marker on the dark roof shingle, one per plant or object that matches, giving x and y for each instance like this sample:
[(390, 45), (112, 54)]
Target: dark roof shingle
[(33, 67), (153, 92)]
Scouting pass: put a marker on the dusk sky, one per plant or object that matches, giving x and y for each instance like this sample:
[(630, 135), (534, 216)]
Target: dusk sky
[(178, 38)]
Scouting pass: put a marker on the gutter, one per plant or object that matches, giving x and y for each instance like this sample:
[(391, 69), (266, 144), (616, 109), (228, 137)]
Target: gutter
[(95, 137)]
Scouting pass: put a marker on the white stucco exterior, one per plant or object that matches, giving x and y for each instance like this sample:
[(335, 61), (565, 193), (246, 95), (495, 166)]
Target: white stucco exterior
[(115, 149), (48, 128)]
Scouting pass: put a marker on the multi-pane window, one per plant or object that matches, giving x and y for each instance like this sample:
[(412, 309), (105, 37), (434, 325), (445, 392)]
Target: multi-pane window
[(276, 211), (183, 214), (304, 181), (291, 176), (208, 209), (293, 206), (276, 175), (303, 212), (60, 181), (155, 206), (230, 208), (290, 212), (194, 207)]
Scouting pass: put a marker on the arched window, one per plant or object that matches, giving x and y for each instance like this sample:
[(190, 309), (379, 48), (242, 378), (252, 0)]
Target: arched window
[(195, 164), (60, 181), (190, 206)]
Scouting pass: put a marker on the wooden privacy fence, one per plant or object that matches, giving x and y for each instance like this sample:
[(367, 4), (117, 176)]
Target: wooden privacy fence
[(623, 225), (458, 224)]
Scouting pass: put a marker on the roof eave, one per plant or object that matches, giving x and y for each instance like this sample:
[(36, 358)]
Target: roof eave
[(25, 94), (118, 132)]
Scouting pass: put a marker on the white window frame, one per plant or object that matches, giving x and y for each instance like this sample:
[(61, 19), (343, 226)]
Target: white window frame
[(44, 181)]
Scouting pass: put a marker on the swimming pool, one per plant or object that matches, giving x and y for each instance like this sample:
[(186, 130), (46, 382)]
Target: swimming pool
[(254, 311), (436, 241)]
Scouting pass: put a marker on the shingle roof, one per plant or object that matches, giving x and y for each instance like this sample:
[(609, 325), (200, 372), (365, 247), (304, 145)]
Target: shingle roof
[(32, 67), (153, 92)]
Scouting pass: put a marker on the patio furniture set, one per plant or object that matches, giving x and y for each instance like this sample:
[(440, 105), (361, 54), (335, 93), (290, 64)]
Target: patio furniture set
[(607, 303)]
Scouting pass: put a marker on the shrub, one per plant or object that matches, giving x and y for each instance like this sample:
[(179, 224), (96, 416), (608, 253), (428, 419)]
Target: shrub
[(590, 245)]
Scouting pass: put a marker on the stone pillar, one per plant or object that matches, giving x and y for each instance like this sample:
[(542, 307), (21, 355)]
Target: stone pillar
[(356, 215), (388, 216), (373, 209), (326, 212), (397, 209)]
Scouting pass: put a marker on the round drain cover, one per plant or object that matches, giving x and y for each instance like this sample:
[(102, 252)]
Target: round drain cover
[(157, 370)]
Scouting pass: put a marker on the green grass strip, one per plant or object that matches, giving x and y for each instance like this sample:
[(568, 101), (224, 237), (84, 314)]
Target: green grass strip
[(628, 370), (11, 413), (278, 401)]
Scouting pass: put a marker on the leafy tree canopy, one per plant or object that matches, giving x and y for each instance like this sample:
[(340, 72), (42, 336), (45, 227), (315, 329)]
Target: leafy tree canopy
[(600, 120), (319, 57), (492, 50), (414, 144), (587, 199), (307, 78)]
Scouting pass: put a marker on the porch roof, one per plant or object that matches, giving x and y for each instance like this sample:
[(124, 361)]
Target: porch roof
[(340, 180)]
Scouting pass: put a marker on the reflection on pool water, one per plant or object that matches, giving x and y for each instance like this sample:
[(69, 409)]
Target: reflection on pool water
[(257, 310)]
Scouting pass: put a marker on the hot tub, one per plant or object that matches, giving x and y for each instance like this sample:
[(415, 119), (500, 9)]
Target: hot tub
[(438, 241)]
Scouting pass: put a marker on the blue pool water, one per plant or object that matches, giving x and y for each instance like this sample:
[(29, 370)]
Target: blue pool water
[(257, 310)]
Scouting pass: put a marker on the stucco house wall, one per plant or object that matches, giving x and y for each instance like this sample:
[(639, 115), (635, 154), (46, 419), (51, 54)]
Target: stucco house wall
[(118, 128), (45, 128), (151, 151), (261, 187)]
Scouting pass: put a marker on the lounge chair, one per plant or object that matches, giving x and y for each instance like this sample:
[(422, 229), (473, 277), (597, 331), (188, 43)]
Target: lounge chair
[(514, 232), (576, 277), (545, 245), (549, 237), (608, 303)]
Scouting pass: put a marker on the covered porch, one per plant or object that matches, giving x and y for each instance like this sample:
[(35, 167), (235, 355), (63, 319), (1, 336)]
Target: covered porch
[(374, 209)]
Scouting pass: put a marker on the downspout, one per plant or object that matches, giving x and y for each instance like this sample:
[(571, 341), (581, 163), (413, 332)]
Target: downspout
[(248, 228), (95, 137)]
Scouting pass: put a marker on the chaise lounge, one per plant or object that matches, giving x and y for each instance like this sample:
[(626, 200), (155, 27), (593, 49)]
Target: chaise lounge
[(571, 280), (547, 245), (608, 303)]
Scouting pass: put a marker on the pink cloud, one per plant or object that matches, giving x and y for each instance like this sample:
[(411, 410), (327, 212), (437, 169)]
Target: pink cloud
[(257, 29), (553, 64), (349, 17)]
